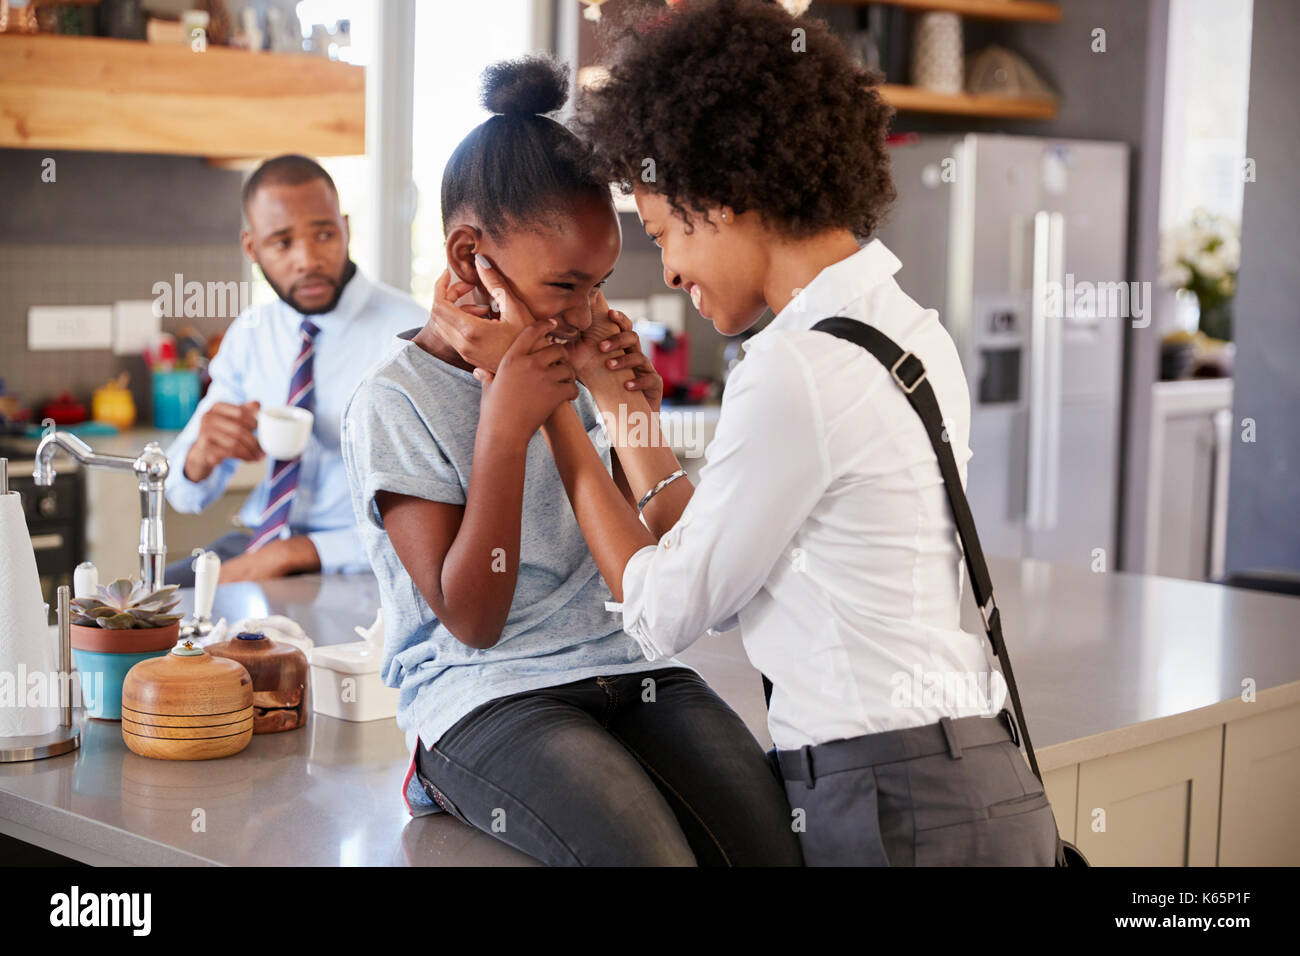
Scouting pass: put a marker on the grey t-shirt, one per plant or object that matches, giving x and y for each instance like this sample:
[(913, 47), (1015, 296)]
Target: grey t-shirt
[(409, 428)]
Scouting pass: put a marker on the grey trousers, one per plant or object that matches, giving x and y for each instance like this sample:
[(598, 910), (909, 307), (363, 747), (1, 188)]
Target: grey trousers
[(954, 793)]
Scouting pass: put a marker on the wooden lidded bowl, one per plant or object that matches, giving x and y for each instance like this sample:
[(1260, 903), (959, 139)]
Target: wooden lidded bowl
[(279, 673), (187, 705)]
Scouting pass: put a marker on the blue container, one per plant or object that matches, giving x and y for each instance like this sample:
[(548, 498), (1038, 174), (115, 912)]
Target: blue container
[(102, 674), (175, 397)]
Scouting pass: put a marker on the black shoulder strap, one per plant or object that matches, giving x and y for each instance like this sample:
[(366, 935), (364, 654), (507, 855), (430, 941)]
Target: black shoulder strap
[(909, 374)]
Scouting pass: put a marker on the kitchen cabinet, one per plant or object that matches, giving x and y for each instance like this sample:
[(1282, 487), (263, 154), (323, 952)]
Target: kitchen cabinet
[(1160, 803), (1259, 821)]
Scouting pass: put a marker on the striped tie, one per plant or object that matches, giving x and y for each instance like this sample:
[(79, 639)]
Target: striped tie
[(284, 474)]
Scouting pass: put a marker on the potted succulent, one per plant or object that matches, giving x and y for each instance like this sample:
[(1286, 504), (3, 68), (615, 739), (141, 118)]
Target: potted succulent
[(123, 624)]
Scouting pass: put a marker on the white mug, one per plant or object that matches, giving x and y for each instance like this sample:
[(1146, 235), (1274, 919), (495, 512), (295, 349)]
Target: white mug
[(283, 430)]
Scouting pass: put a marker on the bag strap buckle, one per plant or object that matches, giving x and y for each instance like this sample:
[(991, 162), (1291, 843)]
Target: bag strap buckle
[(987, 611), (893, 370)]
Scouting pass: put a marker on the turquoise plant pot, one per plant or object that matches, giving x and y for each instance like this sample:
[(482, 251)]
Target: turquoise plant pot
[(102, 657), (102, 674)]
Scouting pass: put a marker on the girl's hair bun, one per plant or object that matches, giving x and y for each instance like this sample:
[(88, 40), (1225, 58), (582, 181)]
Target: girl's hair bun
[(531, 85)]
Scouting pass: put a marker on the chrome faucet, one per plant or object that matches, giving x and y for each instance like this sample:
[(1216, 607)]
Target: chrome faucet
[(150, 471)]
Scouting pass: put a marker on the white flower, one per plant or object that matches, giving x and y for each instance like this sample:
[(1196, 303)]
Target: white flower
[(1209, 265), (1230, 250), (1176, 275)]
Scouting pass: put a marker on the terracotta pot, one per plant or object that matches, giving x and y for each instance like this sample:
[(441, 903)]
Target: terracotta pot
[(133, 641)]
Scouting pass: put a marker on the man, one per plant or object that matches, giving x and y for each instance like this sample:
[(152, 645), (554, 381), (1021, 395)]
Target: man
[(309, 349)]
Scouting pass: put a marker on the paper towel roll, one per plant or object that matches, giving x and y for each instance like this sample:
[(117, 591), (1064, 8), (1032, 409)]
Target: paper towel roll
[(29, 660)]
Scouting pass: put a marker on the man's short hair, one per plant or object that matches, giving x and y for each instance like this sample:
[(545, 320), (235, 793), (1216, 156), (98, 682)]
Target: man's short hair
[(288, 170)]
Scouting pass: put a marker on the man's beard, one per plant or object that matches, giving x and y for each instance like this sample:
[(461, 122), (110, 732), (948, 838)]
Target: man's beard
[(349, 270)]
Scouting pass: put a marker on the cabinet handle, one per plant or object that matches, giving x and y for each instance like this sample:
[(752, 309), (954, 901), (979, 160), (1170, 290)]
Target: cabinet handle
[(46, 542)]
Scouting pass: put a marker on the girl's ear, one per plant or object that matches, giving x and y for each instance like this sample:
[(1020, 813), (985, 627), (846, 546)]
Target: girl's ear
[(462, 242)]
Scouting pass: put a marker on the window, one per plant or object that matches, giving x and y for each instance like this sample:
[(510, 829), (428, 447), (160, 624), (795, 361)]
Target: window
[(1207, 86), (453, 43)]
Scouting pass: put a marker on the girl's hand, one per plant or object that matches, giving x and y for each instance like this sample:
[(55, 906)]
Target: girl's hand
[(480, 335), (532, 381), (622, 350)]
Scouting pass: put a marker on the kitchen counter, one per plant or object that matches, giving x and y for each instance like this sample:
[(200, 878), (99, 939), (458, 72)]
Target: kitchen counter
[(1106, 662)]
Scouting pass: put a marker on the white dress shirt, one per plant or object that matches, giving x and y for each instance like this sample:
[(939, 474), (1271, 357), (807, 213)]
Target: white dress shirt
[(255, 363), (821, 527)]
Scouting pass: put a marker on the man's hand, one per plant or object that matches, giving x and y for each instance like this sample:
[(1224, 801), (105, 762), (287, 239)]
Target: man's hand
[(225, 431), (275, 559)]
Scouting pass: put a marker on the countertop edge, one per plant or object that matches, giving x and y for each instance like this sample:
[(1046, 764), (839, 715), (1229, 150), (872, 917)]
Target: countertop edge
[(85, 839), (1133, 736)]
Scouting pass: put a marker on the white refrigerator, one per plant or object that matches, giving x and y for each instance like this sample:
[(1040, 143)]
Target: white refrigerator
[(1020, 244)]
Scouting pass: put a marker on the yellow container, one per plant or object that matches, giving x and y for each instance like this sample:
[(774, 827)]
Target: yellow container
[(114, 405)]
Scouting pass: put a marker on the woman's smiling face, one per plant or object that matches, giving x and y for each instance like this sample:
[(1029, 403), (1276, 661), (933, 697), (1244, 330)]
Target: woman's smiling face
[(719, 263)]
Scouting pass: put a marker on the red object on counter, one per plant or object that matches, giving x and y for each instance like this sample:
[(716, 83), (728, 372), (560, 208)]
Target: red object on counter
[(64, 410), (672, 360)]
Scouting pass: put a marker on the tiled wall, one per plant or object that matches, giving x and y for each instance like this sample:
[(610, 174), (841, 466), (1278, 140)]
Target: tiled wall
[(107, 229), (91, 275)]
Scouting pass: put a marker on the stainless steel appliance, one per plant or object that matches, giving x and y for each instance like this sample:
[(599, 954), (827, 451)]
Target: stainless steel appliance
[(1020, 244)]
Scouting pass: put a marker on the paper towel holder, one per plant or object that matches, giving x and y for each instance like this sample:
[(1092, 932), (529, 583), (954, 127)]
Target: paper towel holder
[(66, 737)]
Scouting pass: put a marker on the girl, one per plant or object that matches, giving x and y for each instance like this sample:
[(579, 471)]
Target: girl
[(537, 718), (820, 523)]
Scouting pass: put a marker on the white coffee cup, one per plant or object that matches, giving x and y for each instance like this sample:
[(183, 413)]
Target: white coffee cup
[(283, 430)]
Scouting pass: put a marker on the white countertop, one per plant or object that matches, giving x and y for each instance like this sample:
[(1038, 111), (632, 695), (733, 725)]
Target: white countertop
[(1105, 662)]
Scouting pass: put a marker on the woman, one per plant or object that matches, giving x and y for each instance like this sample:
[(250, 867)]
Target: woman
[(538, 720), (820, 523)]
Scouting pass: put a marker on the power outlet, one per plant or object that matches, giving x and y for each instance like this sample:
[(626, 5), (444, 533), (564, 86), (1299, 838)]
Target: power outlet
[(60, 327)]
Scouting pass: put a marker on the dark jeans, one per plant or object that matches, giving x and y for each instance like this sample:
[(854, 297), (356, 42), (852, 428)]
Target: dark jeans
[(181, 571), (590, 774)]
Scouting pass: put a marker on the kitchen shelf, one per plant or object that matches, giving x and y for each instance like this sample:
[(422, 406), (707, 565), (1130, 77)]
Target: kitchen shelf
[(93, 93), (912, 99), (1029, 10)]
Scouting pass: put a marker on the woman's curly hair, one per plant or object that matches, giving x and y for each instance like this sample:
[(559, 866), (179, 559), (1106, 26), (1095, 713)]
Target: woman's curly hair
[(724, 103)]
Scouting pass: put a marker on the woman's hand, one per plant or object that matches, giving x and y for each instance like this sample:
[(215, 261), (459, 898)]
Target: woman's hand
[(622, 350), (532, 381), (607, 348), (481, 336)]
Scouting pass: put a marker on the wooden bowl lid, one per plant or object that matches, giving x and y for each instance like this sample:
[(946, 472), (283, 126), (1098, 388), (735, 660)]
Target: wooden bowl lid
[(186, 682), (274, 666)]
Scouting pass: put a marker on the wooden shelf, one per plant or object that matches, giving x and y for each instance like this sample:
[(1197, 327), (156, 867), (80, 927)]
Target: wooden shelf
[(1030, 10), (911, 99), (92, 93)]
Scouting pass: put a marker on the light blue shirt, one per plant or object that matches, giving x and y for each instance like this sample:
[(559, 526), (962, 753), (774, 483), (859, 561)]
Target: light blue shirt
[(410, 429), (255, 363)]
